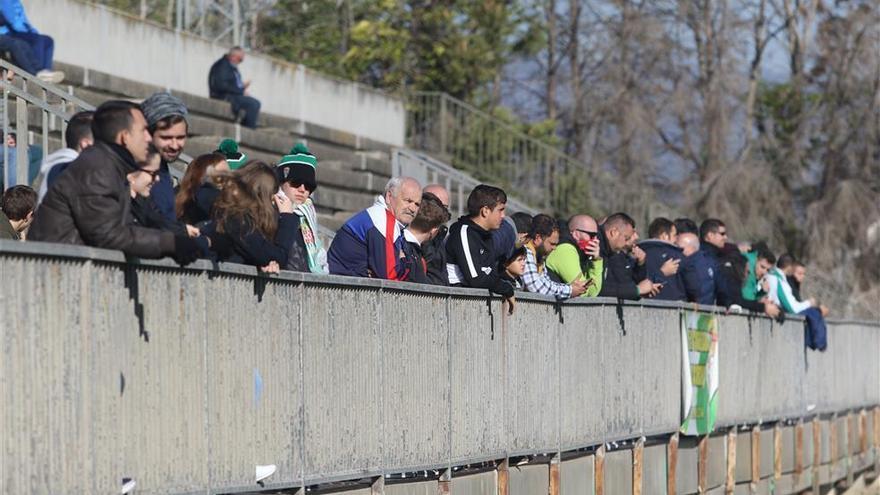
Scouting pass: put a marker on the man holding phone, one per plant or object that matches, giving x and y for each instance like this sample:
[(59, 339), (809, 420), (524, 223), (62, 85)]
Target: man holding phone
[(578, 259), (617, 238)]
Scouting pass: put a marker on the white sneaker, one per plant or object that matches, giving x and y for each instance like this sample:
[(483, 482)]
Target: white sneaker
[(50, 76)]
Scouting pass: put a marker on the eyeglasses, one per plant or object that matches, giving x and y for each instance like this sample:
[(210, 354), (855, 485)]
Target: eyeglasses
[(589, 233), (154, 174), (722, 233)]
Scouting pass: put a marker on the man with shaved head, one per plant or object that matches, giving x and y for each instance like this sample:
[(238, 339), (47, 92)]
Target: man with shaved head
[(617, 238), (370, 243), (433, 251), (578, 258)]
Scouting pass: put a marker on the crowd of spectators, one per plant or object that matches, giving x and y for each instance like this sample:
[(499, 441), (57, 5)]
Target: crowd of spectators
[(111, 188)]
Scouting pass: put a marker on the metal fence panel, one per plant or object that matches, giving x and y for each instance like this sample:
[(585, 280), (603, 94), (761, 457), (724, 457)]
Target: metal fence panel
[(530, 339), (415, 391), (342, 377), (185, 380), (477, 379)]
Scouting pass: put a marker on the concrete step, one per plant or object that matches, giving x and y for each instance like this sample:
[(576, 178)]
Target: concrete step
[(113, 86), (331, 173)]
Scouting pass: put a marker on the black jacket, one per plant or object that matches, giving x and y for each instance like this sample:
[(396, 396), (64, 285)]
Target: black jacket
[(434, 253), (224, 80), (658, 252), (146, 214), (731, 281), (618, 279), (198, 210), (471, 260), (416, 263), (298, 257), (240, 242), (90, 204)]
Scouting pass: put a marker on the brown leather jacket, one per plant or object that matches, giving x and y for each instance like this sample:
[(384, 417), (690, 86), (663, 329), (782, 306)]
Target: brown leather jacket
[(90, 204)]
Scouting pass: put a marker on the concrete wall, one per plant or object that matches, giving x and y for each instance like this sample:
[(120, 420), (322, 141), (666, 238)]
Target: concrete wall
[(96, 38), (185, 379)]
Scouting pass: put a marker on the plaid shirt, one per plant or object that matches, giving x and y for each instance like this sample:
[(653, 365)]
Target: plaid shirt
[(535, 278)]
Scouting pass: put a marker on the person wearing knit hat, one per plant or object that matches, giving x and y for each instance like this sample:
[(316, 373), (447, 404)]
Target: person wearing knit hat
[(166, 120), (296, 171), (299, 166), (235, 158)]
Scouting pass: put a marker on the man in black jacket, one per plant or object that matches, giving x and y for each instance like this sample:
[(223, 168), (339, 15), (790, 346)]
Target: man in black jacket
[(224, 83), (617, 237), (470, 253), (90, 204)]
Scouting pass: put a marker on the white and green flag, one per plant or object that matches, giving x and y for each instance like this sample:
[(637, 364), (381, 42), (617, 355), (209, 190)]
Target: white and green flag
[(699, 383)]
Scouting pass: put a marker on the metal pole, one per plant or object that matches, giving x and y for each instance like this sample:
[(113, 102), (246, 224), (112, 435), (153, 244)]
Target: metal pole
[(236, 23)]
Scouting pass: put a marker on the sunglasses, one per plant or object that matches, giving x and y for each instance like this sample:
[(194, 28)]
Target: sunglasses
[(589, 233), (296, 185)]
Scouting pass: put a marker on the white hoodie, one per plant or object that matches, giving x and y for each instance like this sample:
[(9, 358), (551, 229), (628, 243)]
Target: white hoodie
[(64, 155)]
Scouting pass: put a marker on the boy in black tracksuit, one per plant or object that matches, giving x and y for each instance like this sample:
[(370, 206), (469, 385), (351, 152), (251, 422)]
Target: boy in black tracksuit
[(471, 258)]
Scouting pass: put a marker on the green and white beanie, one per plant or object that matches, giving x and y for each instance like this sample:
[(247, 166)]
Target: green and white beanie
[(299, 166), (229, 149)]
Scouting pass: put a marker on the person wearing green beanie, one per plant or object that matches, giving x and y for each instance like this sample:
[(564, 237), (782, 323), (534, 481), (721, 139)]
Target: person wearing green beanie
[(297, 173), (234, 158)]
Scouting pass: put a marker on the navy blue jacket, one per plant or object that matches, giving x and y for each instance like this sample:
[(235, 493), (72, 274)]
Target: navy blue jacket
[(369, 245), (658, 252), (162, 193), (242, 243), (712, 280), (224, 80), (697, 273)]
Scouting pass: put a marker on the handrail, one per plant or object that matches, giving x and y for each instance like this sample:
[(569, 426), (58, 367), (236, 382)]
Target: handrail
[(493, 150), (49, 112), (340, 378), (428, 169)]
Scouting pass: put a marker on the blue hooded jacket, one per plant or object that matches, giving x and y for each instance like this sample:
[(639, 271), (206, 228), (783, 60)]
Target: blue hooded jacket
[(16, 19)]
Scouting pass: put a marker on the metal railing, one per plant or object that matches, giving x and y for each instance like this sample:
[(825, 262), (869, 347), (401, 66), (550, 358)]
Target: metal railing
[(32, 100), (495, 151), (427, 170), (185, 379)]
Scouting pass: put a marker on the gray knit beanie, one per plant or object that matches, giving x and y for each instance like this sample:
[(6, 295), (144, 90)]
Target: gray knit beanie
[(162, 105)]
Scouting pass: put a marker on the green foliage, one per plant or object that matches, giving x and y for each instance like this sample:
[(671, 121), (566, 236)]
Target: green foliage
[(454, 46)]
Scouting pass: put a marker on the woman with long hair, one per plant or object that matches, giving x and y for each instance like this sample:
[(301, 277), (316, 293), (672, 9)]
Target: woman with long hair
[(252, 223), (197, 191)]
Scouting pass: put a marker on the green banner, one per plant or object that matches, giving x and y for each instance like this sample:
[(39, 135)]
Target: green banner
[(699, 383)]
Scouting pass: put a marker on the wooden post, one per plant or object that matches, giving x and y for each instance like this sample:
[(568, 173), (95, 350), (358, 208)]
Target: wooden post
[(445, 482), (730, 481), (599, 465), (877, 439), (863, 432), (777, 451), (798, 451), (832, 428), (638, 456), (850, 439), (756, 456), (703, 464), (554, 475), (671, 463), (502, 474), (817, 452)]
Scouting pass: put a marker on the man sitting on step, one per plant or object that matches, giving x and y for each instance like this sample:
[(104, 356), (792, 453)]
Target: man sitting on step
[(224, 83)]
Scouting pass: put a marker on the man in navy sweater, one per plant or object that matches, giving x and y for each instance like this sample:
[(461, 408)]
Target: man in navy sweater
[(225, 83)]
